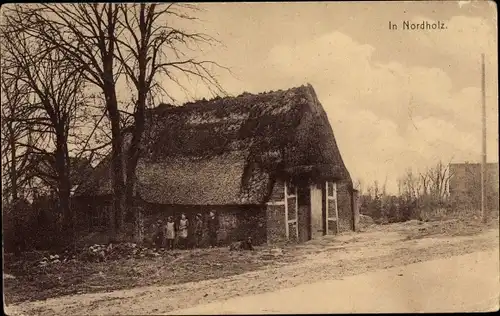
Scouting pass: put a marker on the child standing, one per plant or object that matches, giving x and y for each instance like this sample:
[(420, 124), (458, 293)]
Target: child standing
[(198, 230), (170, 233), (183, 231), (213, 225), (159, 234)]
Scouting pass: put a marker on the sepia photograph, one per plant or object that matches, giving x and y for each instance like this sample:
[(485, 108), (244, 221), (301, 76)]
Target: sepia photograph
[(249, 158)]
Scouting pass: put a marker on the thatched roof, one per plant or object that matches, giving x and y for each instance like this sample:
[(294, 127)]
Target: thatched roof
[(231, 150)]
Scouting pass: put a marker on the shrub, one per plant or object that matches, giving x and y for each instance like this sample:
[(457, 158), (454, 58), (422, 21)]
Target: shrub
[(33, 226)]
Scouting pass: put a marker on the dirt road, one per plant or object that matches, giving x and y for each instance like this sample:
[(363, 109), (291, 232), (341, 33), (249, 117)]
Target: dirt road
[(331, 258), (458, 284)]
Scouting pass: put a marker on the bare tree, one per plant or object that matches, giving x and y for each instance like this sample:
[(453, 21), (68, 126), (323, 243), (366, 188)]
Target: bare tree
[(92, 140), (384, 186), (410, 186), (410, 191), (436, 181), (86, 34), (56, 86), (149, 47), (426, 183), (109, 40), (15, 159)]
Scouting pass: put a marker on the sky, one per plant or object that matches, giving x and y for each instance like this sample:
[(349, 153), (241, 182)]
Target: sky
[(396, 99)]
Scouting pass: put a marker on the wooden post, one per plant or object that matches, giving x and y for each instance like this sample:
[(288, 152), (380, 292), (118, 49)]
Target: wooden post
[(297, 212), (483, 161), (336, 205), (286, 212), (326, 207)]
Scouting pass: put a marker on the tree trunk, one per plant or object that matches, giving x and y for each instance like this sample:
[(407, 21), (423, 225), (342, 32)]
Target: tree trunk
[(138, 225), (117, 159), (117, 178), (64, 187), (116, 163), (139, 121), (133, 157), (13, 167)]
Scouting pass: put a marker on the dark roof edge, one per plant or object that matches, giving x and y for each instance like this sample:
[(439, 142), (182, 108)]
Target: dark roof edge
[(321, 110)]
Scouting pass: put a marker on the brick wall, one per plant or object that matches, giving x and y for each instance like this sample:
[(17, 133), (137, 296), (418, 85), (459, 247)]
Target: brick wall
[(344, 206), (275, 214), (292, 208), (278, 193), (356, 204), (276, 231), (235, 222), (292, 215), (330, 212)]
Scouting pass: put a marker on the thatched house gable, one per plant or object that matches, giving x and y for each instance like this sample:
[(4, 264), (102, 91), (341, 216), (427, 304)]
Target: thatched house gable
[(211, 181), (229, 151)]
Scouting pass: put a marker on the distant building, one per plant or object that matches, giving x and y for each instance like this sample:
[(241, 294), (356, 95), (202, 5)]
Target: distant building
[(465, 185), (44, 168)]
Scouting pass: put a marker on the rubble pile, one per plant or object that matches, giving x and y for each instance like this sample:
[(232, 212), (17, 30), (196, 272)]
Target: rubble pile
[(55, 259), (101, 253), (95, 253), (272, 253), (130, 250)]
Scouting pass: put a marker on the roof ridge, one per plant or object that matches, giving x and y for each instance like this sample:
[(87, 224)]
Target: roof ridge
[(167, 106), (255, 136)]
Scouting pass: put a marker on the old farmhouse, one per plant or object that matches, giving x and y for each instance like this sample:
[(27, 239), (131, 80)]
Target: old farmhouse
[(267, 163)]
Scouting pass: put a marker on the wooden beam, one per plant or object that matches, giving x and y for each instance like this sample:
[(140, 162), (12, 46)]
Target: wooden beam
[(336, 205), (275, 203), (326, 208), (297, 213), (286, 213)]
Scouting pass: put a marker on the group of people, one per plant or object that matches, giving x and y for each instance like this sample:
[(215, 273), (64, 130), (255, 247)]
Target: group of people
[(167, 232)]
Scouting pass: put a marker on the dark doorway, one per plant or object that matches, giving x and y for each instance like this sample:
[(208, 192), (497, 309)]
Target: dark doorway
[(304, 213)]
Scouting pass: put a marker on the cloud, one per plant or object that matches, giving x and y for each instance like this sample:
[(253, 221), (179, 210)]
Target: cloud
[(386, 116), (464, 39)]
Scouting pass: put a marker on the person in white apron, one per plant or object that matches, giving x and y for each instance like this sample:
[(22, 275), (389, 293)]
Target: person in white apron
[(170, 233), (183, 231)]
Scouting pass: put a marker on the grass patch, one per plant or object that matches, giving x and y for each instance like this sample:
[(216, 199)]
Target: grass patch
[(34, 283), (450, 228)]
